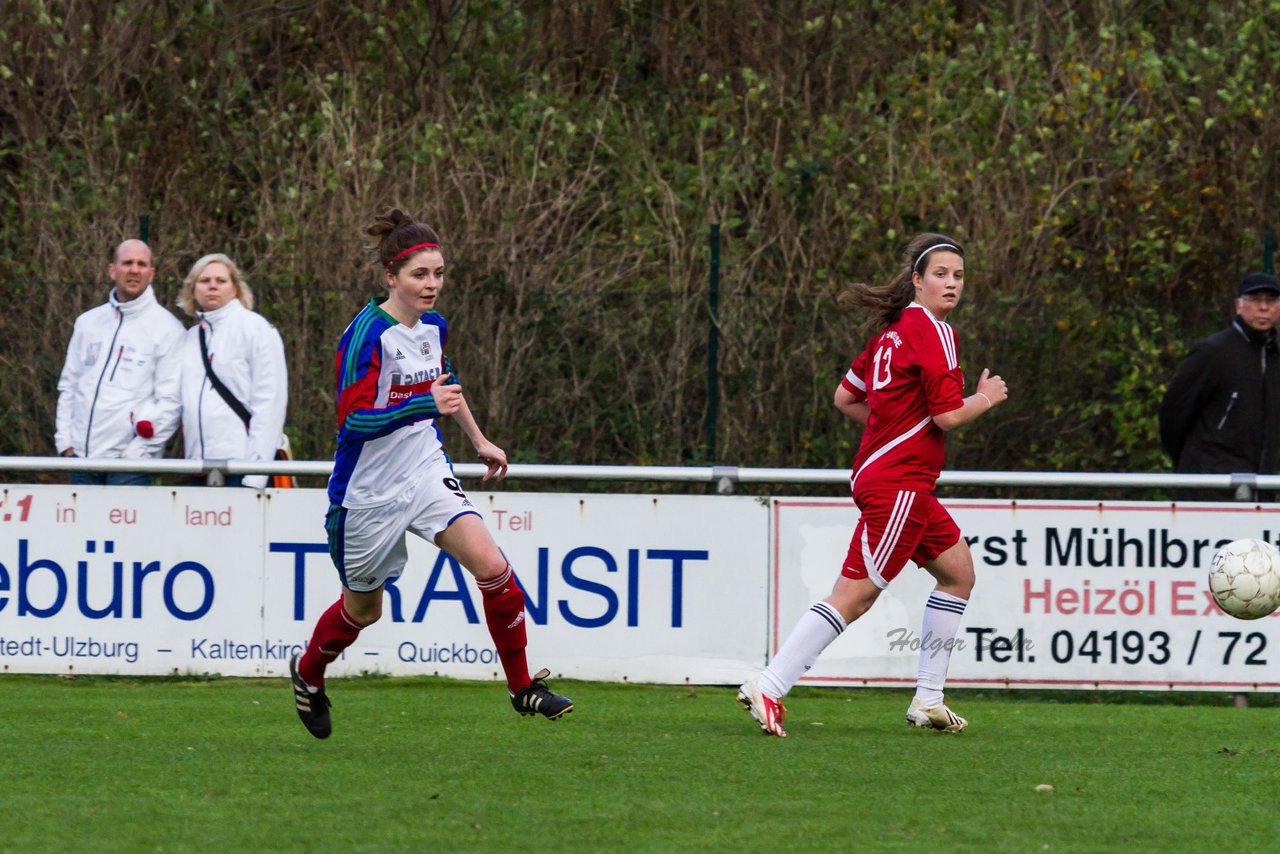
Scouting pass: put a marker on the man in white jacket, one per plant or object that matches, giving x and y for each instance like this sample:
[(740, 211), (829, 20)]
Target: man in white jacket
[(118, 396)]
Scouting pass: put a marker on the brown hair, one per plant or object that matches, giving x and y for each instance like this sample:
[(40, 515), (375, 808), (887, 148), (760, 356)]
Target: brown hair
[(396, 231), (883, 304)]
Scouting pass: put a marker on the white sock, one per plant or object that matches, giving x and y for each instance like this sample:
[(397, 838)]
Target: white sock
[(815, 631), (942, 615)]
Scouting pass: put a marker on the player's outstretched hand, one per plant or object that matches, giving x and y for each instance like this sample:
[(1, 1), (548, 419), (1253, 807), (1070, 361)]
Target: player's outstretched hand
[(448, 397), (493, 457), (993, 387)]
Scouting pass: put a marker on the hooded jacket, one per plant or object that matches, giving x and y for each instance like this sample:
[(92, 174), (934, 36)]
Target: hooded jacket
[(1221, 412), (122, 367), (247, 354)]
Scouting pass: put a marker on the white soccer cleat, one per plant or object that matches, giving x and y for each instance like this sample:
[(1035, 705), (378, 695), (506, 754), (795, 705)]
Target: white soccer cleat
[(937, 717), (767, 711)]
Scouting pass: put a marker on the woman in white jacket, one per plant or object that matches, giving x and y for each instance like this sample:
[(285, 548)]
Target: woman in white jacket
[(242, 352)]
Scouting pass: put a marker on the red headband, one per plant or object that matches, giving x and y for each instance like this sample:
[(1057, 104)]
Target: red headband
[(410, 251)]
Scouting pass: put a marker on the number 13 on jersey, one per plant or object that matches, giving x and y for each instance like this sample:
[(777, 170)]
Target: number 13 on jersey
[(880, 364)]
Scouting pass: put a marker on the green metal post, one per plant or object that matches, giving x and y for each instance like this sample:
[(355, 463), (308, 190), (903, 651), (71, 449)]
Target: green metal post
[(1268, 252), (144, 228), (713, 346)]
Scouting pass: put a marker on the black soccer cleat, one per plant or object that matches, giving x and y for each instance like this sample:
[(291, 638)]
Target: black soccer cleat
[(538, 699), (313, 708)]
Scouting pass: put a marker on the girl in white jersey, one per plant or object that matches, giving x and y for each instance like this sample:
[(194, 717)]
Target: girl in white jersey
[(391, 475), (907, 390)]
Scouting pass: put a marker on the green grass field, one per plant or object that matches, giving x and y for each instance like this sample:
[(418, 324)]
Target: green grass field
[(432, 764)]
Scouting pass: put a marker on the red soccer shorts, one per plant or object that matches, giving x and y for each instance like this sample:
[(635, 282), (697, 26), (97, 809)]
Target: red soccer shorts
[(896, 527)]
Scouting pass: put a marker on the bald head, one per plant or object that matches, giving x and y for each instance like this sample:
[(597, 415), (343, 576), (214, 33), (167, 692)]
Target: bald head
[(129, 247), (131, 269)]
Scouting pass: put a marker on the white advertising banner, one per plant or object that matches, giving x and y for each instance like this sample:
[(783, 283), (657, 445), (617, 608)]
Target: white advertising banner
[(155, 580), (1069, 595)]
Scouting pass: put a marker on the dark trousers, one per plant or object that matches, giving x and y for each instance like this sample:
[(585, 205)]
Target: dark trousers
[(109, 478)]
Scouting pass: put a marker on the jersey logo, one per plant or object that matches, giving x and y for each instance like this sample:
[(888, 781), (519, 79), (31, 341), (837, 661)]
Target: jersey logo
[(399, 355), (404, 385), (426, 348)]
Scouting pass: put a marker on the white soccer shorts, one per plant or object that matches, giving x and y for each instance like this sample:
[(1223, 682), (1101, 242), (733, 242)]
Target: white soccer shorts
[(368, 543)]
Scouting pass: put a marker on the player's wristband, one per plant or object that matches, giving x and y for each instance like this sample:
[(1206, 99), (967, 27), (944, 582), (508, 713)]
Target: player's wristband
[(984, 397)]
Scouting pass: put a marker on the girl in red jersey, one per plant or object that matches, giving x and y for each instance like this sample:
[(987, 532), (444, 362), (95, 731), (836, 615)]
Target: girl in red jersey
[(907, 389), (391, 475)]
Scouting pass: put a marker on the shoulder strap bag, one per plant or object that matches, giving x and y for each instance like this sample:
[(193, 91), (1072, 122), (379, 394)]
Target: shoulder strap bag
[(225, 393)]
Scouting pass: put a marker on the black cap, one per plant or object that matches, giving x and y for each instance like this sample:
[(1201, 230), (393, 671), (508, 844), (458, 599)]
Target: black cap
[(1259, 282)]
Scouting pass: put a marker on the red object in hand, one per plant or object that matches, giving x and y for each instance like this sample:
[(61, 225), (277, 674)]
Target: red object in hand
[(145, 430)]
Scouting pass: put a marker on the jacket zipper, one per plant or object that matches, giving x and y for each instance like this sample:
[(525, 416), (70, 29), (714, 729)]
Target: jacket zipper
[(119, 356), (1266, 428), (88, 428), (204, 384), (200, 416), (1230, 405)]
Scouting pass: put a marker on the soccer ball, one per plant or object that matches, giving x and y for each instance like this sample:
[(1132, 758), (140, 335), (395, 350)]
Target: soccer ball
[(1244, 578)]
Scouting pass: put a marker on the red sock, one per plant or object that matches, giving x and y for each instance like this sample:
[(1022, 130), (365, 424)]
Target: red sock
[(334, 632), (504, 612)]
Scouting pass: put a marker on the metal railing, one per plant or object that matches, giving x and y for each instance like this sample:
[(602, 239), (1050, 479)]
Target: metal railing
[(723, 476)]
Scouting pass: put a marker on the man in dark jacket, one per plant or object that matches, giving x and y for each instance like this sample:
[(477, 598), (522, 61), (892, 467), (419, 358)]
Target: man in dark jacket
[(1221, 413)]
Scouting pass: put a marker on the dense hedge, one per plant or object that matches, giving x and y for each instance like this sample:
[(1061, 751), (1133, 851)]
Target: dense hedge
[(1110, 166)]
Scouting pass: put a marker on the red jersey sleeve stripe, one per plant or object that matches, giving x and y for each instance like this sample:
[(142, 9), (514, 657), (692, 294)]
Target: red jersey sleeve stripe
[(362, 393)]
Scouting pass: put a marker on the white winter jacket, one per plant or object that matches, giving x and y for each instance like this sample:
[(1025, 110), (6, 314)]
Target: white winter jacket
[(247, 354), (122, 367)]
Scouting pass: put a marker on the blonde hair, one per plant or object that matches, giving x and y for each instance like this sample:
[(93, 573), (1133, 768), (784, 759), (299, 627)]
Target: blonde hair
[(187, 299)]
